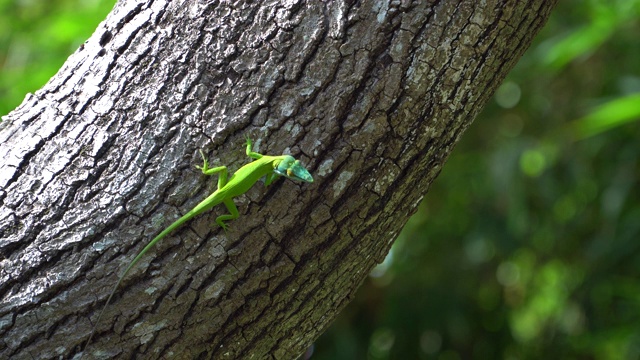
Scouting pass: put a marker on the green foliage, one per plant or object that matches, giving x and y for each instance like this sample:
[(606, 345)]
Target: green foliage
[(36, 37), (528, 244), (611, 114), (604, 19)]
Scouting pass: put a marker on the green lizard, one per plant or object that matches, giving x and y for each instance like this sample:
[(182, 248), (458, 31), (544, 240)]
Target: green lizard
[(269, 166)]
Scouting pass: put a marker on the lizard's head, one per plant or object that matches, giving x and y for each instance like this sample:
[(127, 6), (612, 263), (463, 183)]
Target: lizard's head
[(291, 168)]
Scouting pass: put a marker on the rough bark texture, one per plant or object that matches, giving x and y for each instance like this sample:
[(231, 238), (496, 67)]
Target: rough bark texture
[(372, 96)]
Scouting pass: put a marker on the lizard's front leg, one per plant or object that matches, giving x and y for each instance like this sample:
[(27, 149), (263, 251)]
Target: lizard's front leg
[(250, 152)]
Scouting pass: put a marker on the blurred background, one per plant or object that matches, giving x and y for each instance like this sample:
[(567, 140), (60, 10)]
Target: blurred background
[(527, 245)]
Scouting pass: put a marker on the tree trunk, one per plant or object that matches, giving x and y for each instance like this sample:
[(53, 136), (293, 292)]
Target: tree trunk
[(371, 96)]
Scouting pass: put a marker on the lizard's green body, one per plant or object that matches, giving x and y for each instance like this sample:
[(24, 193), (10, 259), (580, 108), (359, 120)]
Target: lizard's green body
[(239, 183)]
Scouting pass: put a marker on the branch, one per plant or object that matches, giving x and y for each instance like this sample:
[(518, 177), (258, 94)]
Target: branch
[(372, 99)]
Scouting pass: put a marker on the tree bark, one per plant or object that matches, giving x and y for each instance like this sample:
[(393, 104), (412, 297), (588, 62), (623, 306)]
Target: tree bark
[(371, 96)]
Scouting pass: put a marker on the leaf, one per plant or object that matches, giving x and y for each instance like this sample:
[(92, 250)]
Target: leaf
[(607, 116)]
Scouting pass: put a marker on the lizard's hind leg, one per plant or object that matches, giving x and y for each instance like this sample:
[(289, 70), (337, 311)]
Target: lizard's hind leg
[(220, 170), (233, 214)]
